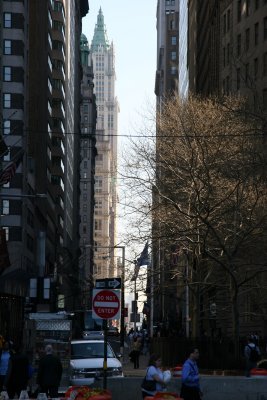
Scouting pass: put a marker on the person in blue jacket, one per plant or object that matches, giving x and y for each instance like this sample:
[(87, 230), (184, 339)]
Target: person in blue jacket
[(190, 377)]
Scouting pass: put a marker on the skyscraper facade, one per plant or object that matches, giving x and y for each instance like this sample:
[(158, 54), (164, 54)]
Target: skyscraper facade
[(222, 51), (87, 174), (40, 100), (103, 62)]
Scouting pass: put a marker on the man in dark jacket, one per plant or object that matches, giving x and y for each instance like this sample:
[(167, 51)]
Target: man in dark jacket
[(49, 373), (17, 373)]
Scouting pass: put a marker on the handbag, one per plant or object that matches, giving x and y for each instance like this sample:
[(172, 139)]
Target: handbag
[(148, 385)]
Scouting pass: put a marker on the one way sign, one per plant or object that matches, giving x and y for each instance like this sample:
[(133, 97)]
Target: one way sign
[(109, 283)]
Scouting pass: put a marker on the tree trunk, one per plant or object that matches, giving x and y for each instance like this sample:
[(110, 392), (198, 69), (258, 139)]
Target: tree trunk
[(235, 317)]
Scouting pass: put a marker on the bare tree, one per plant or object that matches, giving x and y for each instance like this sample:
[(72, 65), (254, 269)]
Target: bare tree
[(205, 168)]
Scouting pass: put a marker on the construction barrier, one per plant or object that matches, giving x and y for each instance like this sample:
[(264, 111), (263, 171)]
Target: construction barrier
[(259, 373), (177, 371)]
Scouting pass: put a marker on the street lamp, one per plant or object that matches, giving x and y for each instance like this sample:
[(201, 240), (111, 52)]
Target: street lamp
[(122, 299)]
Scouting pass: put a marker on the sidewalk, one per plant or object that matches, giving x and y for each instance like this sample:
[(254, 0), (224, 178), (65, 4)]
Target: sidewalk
[(128, 366)]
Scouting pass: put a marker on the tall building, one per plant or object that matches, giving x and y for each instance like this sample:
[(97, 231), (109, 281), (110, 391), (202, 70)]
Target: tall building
[(102, 56), (167, 49), (171, 79), (203, 51), (40, 119), (222, 47), (87, 173)]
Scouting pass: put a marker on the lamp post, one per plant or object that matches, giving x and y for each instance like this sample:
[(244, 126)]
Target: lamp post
[(122, 299)]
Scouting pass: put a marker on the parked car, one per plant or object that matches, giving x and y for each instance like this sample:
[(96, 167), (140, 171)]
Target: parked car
[(87, 358)]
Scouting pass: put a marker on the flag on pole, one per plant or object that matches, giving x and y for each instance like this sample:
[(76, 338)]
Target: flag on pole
[(142, 260), (7, 174)]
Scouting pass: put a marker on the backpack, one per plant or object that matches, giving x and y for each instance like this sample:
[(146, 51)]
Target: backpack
[(254, 354)]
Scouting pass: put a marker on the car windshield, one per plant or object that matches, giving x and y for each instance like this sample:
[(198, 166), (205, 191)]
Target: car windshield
[(90, 350)]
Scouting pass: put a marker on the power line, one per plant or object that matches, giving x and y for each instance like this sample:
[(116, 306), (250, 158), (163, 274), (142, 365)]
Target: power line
[(154, 136)]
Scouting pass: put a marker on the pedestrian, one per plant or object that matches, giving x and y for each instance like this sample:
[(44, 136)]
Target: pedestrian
[(154, 380), (252, 355), (190, 377), (146, 344), (135, 353), (49, 373), (5, 354), (17, 375)]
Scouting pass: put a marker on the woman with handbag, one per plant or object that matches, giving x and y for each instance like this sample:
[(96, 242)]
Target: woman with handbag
[(153, 381)]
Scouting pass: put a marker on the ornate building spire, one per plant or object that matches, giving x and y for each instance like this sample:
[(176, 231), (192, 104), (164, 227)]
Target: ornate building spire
[(100, 38)]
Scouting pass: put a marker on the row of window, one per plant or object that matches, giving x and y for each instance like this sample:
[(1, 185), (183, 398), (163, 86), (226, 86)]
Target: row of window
[(243, 8), (248, 43), (259, 65)]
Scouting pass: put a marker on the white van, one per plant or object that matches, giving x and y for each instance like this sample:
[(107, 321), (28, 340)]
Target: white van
[(87, 358)]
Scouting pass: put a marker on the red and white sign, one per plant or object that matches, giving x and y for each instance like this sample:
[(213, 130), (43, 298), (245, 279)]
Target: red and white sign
[(106, 304)]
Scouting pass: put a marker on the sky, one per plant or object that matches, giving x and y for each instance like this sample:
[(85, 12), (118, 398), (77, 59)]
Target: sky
[(131, 25)]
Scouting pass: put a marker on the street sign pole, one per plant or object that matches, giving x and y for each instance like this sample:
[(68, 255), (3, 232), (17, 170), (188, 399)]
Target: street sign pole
[(105, 361)]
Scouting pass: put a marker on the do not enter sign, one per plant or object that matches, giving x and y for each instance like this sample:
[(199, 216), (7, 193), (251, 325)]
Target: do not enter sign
[(106, 304)]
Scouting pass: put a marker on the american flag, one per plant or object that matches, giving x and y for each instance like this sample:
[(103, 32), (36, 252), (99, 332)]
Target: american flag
[(7, 174)]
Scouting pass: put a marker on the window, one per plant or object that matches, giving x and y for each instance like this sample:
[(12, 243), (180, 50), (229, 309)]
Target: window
[(228, 54), (7, 47), (256, 68), (98, 184), (264, 64), (84, 218), (239, 5), (7, 74), (7, 100), (7, 125), (173, 40), (173, 55), (99, 159), (264, 99), (265, 28), (85, 207), (85, 164), (247, 39), (5, 207), (224, 24), (98, 225), (256, 4), (246, 72), (238, 45), (173, 70), (7, 20), (247, 7), (238, 78), (256, 34), (228, 20), (227, 85)]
